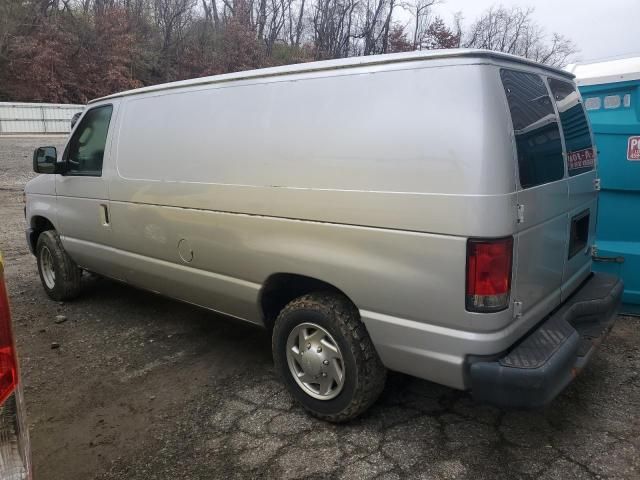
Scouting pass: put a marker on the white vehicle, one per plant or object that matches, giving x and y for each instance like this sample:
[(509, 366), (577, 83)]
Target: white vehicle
[(412, 212)]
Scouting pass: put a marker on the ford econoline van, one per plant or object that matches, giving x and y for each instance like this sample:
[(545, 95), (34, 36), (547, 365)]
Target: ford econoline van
[(430, 213)]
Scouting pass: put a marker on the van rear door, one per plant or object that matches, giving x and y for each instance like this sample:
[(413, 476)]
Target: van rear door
[(580, 156), (543, 194)]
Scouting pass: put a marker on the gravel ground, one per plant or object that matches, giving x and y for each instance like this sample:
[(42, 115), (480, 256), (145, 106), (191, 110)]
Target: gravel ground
[(143, 387)]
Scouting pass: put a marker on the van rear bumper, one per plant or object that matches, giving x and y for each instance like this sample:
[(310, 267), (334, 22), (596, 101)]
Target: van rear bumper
[(544, 362)]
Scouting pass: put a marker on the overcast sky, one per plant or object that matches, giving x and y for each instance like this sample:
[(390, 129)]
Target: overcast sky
[(600, 28)]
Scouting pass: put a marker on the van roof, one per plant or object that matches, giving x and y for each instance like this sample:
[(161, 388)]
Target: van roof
[(369, 60), (606, 71)]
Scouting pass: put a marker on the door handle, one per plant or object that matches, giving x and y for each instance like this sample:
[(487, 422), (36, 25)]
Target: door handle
[(104, 215)]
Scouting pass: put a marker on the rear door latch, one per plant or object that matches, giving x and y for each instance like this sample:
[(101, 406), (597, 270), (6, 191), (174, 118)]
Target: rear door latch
[(520, 213), (596, 184)]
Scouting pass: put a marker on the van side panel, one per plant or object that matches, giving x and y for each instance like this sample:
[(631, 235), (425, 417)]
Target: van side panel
[(244, 250), (358, 150), (405, 131), (371, 183)]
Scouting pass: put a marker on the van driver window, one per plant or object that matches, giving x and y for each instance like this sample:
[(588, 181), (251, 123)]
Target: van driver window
[(85, 151), (536, 128)]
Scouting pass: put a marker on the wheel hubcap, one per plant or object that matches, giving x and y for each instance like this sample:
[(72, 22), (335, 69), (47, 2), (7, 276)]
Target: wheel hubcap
[(315, 361), (46, 266)]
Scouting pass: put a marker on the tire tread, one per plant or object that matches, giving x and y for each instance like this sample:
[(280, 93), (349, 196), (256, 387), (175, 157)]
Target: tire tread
[(68, 274), (371, 372)]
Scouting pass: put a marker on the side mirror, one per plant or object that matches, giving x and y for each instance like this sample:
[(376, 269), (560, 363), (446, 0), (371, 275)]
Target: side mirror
[(45, 160)]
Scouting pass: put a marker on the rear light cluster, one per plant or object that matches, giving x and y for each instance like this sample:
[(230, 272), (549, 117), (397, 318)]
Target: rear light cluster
[(8, 367), (489, 274)]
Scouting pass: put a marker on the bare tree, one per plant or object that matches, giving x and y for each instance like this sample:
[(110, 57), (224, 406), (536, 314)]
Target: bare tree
[(556, 53), (275, 20), (421, 12), (376, 21), (171, 17), (371, 26), (295, 22), (387, 26), (515, 31), (261, 18), (210, 8), (333, 27)]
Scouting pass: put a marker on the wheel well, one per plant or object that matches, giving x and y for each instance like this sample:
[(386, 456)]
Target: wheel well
[(38, 224), (280, 288)]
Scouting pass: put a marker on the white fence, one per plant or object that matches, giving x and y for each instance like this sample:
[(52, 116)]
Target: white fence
[(36, 117)]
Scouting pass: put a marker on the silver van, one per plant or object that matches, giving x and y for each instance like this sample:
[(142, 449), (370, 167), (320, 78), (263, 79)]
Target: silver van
[(430, 213)]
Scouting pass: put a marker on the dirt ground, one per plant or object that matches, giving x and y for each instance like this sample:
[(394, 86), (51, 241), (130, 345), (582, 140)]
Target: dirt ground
[(143, 387)]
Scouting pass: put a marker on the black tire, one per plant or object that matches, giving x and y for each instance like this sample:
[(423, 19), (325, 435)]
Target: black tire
[(364, 374), (66, 284)]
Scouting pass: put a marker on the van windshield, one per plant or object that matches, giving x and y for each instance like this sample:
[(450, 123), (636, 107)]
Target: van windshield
[(536, 128), (580, 154)]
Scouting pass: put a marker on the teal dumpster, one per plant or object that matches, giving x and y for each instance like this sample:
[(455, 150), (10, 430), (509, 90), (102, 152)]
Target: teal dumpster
[(611, 95)]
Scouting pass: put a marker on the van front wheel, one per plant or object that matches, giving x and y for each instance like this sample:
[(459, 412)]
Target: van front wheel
[(59, 274), (326, 358)]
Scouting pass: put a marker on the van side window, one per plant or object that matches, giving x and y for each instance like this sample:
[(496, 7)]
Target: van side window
[(85, 151), (577, 138), (536, 128)]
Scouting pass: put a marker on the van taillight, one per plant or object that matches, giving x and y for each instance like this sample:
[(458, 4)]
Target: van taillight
[(8, 370), (488, 274)]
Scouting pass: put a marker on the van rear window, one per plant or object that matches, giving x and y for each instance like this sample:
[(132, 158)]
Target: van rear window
[(536, 128), (577, 138)]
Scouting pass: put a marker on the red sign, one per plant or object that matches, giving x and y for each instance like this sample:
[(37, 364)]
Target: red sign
[(633, 148), (580, 158)]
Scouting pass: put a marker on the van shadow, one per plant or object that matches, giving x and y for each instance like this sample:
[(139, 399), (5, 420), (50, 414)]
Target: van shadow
[(202, 332), (173, 326)]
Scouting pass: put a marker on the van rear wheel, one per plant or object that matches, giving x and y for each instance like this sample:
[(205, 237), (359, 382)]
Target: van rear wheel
[(326, 358), (59, 274)]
